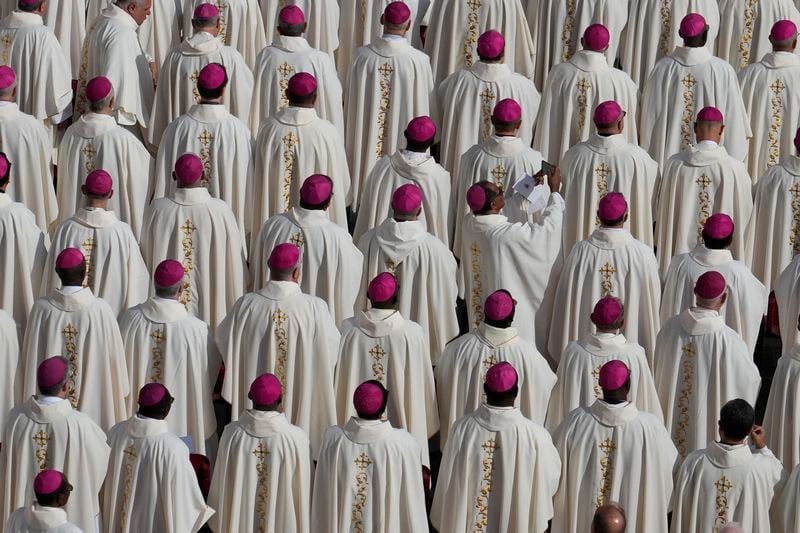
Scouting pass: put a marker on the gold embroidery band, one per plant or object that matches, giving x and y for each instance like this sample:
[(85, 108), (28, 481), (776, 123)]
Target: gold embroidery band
[(157, 353), (70, 335), (607, 271), (88, 252), (385, 70), (205, 138), (187, 243), (471, 38), (793, 240), (487, 105), (665, 37), (89, 152), (607, 447), (746, 41), (280, 318), (723, 486), (289, 143), (566, 31), (603, 172), (687, 120), (362, 482), (477, 285), (583, 86), (262, 494), (130, 461), (776, 121), (42, 441), (285, 70), (482, 501), (704, 210), (685, 398)]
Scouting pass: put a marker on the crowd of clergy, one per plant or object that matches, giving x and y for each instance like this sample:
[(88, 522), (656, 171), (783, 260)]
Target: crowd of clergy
[(341, 266)]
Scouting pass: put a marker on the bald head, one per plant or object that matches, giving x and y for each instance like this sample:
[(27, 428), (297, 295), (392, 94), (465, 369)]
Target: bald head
[(609, 519)]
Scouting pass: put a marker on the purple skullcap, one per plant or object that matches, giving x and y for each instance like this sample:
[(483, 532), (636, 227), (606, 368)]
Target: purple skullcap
[(302, 85), (406, 199), (47, 481), (188, 168), (284, 257), (152, 394), (382, 288), (265, 389), (168, 273), (710, 285), (613, 375), (421, 129), (507, 110), (692, 25), (51, 372), (291, 15), (607, 114), (501, 377), (796, 141), (368, 399), (612, 207), (4, 164), (491, 44), (69, 258), (206, 11), (710, 114), (98, 88), (7, 77), (396, 13), (607, 311), (476, 197), (98, 182), (718, 226), (498, 306), (316, 189), (783, 30), (596, 38), (212, 76)]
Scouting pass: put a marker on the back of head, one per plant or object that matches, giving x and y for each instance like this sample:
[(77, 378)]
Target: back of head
[(481, 196), (370, 399), (71, 267), (5, 170), (30, 6), (783, 36), (501, 385), (717, 232), (736, 419), (291, 21), (211, 81), (155, 401), (612, 210), (51, 488), (8, 83), (609, 518), (693, 30), (205, 17)]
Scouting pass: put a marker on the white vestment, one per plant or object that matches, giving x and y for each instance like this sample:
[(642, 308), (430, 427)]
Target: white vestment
[(613, 453), (700, 364), (10, 381), (292, 145), (392, 171), (201, 232), (600, 165), (466, 99), (83, 329), (462, 369), (679, 86), (331, 263), (380, 344), (745, 27), (724, 483), (610, 262), (322, 17), (389, 83), (277, 63), (151, 485), (40, 519), (578, 376), (499, 472), (279, 329), (782, 417), (426, 274), (747, 296), (115, 270), (161, 31), (784, 513), (48, 433), (262, 478), (96, 141), (164, 344), (68, 22), (177, 83), (787, 294), (369, 478), (241, 26)]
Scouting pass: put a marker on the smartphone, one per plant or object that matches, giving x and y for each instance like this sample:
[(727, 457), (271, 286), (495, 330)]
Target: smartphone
[(547, 168)]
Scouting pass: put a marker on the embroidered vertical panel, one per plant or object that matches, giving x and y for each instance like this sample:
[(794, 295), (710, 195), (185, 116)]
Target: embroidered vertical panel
[(685, 398), (476, 295), (187, 243), (385, 71), (280, 318), (70, 335)]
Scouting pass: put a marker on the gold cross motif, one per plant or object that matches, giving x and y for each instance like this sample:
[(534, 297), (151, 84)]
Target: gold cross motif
[(603, 170), (598, 391), (285, 69), (377, 352), (490, 360), (689, 81), (487, 95), (130, 452), (290, 140), (70, 331), (690, 349), (195, 75), (489, 446), (391, 266), (777, 86), (261, 451), (279, 317), (703, 181), (378, 371), (723, 484), (474, 4), (607, 270), (499, 174), (7, 41), (298, 239), (487, 101), (89, 151), (386, 69), (584, 85), (41, 438), (607, 446), (206, 137), (794, 242), (188, 227), (363, 461), (157, 336)]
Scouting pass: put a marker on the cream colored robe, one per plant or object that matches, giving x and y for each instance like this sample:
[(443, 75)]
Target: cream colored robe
[(380, 344), (747, 296), (462, 369), (613, 453), (164, 344), (723, 483), (499, 471), (115, 269), (426, 274), (279, 329), (224, 144), (466, 99), (27, 144), (242, 27), (579, 370), (151, 485), (199, 231), (388, 84), (331, 263), (83, 329), (67, 21), (277, 63), (679, 86), (177, 82), (322, 17), (700, 364), (39, 519), (784, 512), (782, 418), (292, 145), (10, 382), (393, 171), (569, 97), (695, 184), (744, 29), (603, 164), (51, 434), (264, 464), (96, 141), (369, 478), (787, 294)]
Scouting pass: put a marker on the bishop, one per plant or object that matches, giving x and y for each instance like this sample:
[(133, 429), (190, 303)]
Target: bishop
[(46, 514), (744, 33), (781, 421), (240, 26)]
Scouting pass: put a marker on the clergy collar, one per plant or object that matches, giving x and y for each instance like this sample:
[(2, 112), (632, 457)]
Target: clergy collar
[(495, 337), (707, 145), (114, 12), (262, 424), (95, 217), (603, 344), (482, 222), (389, 47), (46, 413), (690, 57), (780, 60), (140, 427), (414, 157), (727, 456), (208, 113), (377, 323), (607, 144), (710, 258), (200, 44), (503, 147), (71, 302), (791, 163), (43, 518), (195, 196), (702, 155), (91, 125), (290, 44), (5, 200), (589, 61), (279, 290), (493, 418), (490, 72), (610, 238), (613, 415), (701, 321), (410, 168), (398, 239), (363, 431), (296, 116), (308, 218), (163, 310), (20, 19), (8, 111)]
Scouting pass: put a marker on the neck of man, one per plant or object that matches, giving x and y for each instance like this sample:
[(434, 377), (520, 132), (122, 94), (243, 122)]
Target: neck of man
[(196, 185), (399, 33), (505, 133), (307, 105), (211, 101), (607, 132), (97, 203)]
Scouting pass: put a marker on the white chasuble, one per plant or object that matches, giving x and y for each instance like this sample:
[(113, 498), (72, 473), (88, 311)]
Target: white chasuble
[(610, 262), (598, 166), (23, 251), (201, 232), (747, 296), (782, 417), (264, 464), (393, 171), (369, 478), (613, 453), (331, 263), (772, 232), (37, 518), (96, 141), (745, 27), (787, 294), (83, 329), (466, 99), (161, 31), (164, 344), (784, 512), (462, 369), (700, 364), (151, 485), (724, 483), (322, 17), (46, 432), (26, 143), (679, 86), (68, 22), (773, 108), (652, 32), (293, 144), (10, 380), (455, 25), (225, 146), (572, 91), (241, 27), (280, 330), (499, 473), (115, 270), (389, 83), (578, 376), (380, 344), (426, 274), (177, 82), (277, 63)]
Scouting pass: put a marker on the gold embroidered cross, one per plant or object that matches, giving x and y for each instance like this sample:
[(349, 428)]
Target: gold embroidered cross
[(130, 451), (490, 361), (377, 352), (285, 69), (89, 151), (795, 190), (205, 137), (70, 332), (6, 40), (391, 266), (723, 484), (489, 446), (690, 350), (289, 140), (475, 249), (298, 239), (603, 170), (261, 452), (583, 85), (607, 446), (598, 391), (499, 174), (487, 95), (41, 438), (474, 5), (279, 317), (703, 181), (689, 81), (607, 271), (386, 69), (363, 461), (188, 227), (157, 336), (777, 86), (88, 245)]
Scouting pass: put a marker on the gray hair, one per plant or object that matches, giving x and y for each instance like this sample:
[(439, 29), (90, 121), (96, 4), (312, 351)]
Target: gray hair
[(168, 292), (9, 91), (122, 4), (99, 105)]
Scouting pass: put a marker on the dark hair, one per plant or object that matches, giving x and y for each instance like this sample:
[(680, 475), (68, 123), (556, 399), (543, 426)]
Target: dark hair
[(292, 30), (30, 7), (505, 126), (414, 146), (73, 275), (611, 223), (301, 100), (736, 419), (160, 410), (698, 40), (717, 244), (212, 94), (7, 177), (491, 194), (51, 500), (313, 207), (494, 398)]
